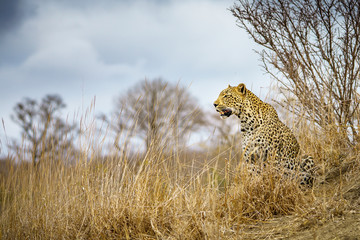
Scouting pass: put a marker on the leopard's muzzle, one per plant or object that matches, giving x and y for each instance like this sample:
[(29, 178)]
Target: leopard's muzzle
[(224, 112)]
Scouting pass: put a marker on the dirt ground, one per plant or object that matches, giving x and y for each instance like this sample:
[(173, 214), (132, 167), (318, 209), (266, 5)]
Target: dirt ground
[(344, 225)]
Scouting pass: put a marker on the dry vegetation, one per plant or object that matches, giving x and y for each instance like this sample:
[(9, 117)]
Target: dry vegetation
[(177, 194)]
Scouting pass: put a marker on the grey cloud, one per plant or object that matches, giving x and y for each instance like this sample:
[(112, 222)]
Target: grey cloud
[(9, 14), (100, 48), (14, 47), (12, 13)]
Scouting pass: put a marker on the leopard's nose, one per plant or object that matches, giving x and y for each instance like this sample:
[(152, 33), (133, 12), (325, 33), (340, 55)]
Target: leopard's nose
[(215, 105)]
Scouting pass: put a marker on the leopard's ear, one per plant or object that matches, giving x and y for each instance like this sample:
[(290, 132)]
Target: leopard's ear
[(241, 88), (229, 86)]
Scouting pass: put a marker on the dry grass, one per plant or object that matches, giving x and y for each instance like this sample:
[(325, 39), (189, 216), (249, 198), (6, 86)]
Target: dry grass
[(164, 195)]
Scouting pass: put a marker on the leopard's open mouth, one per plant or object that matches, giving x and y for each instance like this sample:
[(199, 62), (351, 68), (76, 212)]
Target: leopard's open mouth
[(225, 112)]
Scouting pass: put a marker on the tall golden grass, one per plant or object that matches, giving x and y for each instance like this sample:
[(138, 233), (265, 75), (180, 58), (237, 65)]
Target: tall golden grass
[(161, 194)]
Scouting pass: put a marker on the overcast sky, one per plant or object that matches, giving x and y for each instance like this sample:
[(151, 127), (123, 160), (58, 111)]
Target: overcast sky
[(86, 48)]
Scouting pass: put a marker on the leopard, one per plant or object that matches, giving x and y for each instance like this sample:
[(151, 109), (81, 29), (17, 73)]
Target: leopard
[(265, 137)]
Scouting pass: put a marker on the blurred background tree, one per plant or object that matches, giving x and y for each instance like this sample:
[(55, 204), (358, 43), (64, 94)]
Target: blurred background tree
[(312, 48), (225, 133), (43, 129), (158, 112)]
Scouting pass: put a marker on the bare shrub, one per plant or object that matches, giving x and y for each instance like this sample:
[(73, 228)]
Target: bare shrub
[(312, 48)]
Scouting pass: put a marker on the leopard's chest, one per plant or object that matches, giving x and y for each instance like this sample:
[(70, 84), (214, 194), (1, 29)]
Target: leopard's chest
[(263, 135), (251, 136)]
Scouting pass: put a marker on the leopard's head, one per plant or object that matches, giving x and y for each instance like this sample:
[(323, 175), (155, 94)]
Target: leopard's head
[(230, 100)]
